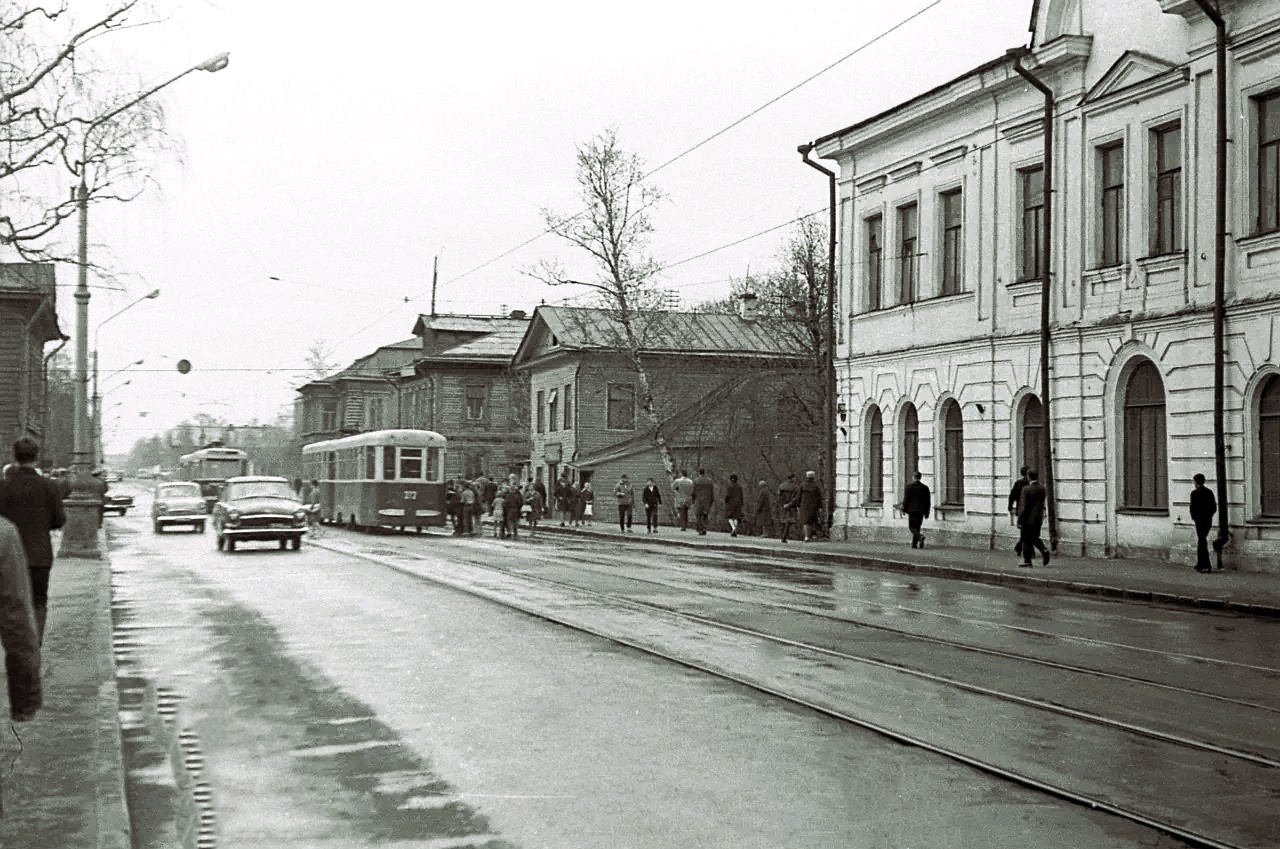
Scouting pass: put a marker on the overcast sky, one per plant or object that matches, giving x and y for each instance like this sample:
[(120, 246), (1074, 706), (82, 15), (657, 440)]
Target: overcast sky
[(346, 145)]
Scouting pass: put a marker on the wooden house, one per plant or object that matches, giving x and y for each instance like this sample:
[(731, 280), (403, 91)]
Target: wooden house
[(28, 312)]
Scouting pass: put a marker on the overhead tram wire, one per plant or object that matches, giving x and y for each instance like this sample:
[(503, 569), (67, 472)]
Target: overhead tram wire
[(868, 43)]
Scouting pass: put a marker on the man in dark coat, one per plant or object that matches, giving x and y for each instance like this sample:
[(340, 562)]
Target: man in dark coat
[(809, 507), (31, 502), (18, 630), (1014, 494), (1030, 517), (734, 501), (916, 503), (704, 497), (652, 497), (788, 501), (1204, 508)]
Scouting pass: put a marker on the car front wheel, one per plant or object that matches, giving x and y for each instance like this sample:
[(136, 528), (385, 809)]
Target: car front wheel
[(157, 527), (231, 544), (221, 541), (296, 542)]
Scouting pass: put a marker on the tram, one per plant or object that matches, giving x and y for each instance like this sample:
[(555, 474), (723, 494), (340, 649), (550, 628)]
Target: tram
[(385, 478), (210, 467)]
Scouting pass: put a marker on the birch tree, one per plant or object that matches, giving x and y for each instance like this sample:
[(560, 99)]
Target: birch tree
[(613, 227)]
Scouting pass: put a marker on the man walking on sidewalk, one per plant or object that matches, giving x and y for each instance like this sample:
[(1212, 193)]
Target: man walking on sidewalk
[(683, 489), (1014, 494), (18, 634), (32, 503), (916, 502), (626, 495), (1031, 517), (652, 497), (704, 496), (1204, 507)]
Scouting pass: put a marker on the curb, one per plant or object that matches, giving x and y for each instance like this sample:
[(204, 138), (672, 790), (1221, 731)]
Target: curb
[(114, 830), (979, 576)]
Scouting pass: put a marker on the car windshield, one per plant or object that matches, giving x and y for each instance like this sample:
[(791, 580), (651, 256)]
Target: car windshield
[(179, 490), (256, 489)]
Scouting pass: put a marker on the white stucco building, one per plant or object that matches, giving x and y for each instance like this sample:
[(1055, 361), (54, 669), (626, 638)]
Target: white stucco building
[(941, 202)]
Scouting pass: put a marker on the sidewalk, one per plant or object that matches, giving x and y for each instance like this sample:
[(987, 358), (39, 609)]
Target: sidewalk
[(1157, 581), (66, 788)]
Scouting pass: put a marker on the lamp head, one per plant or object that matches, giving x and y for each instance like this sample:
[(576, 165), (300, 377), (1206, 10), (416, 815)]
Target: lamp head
[(214, 63), (154, 293)]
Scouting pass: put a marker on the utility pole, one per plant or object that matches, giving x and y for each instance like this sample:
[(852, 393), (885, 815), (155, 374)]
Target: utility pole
[(435, 276)]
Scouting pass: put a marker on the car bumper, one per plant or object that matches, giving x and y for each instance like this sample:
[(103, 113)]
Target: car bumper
[(263, 533), (180, 519)]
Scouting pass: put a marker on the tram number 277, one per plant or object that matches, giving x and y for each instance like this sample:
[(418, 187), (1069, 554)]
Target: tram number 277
[(410, 495)]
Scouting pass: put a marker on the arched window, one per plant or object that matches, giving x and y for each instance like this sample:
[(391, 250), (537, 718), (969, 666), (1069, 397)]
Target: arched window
[(1269, 445), (875, 458), (910, 443), (953, 453), (1146, 475), (1033, 434)]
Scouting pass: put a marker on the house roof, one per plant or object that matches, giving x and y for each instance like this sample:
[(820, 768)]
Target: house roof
[(466, 323), (498, 346), (36, 283), (375, 364), (594, 329)]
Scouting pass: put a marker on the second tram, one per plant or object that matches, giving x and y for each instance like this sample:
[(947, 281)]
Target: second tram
[(386, 478), (210, 467)]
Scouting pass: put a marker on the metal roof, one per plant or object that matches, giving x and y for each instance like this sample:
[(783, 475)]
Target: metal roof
[(587, 328)]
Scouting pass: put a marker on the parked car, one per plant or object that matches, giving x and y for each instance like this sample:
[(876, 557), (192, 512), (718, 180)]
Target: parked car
[(178, 503), (118, 503), (258, 507)]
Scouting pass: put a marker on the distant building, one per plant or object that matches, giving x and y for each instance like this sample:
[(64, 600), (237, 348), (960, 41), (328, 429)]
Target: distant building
[(942, 202), (363, 396), (28, 314), (729, 395), (461, 385)]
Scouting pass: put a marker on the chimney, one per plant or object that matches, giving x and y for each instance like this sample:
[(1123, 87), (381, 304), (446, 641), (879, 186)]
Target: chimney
[(748, 309)]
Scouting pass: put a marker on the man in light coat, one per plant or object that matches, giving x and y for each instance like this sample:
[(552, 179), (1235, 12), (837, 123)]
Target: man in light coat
[(18, 631), (682, 487)]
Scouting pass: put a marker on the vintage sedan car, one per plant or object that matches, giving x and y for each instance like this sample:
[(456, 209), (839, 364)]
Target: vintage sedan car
[(116, 502), (178, 503), (258, 508)]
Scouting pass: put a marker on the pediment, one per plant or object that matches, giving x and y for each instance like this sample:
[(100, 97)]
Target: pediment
[(1131, 69)]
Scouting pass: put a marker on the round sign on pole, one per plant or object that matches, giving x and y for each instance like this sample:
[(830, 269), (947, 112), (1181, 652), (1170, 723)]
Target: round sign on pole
[(184, 366)]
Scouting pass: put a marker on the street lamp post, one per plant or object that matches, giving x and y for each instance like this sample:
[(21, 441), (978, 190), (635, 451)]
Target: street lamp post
[(97, 426), (83, 505)]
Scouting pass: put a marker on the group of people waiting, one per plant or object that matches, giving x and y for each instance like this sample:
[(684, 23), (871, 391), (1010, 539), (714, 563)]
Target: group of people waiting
[(792, 504), (510, 502)]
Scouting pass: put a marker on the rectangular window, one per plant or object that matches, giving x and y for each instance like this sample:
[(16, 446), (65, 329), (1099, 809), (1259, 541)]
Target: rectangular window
[(329, 415), (1166, 224), (1268, 163), (476, 402), (621, 412), (908, 234), (568, 407), (411, 464), (434, 470), (375, 414), (370, 464), (1111, 205), (952, 242), (553, 411), (875, 261), (1031, 232), (539, 414)]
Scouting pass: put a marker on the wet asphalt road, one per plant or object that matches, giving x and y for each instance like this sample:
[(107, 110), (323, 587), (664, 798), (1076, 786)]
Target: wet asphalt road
[(338, 703)]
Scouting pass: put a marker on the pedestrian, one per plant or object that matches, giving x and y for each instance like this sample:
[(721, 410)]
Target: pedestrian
[(564, 500), (512, 504), (587, 499), (541, 488), (788, 502), (31, 502), (1204, 507), (652, 497), (704, 497), (451, 505), (762, 521), (467, 510), (575, 504), (916, 502), (97, 488), (682, 492), (1014, 495), (533, 500), (1030, 517), (498, 512), (734, 501), (809, 504), (19, 631), (626, 495)]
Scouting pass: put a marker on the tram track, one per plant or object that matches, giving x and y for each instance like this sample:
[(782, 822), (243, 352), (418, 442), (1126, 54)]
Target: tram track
[(569, 601)]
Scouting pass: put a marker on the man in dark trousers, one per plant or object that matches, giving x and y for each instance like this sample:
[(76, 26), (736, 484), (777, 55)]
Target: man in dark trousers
[(1204, 508), (788, 505), (1031, 517), (916, 502), (31, 502), (704, 496), (1014, 495), (652, 497), (18, 634)]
